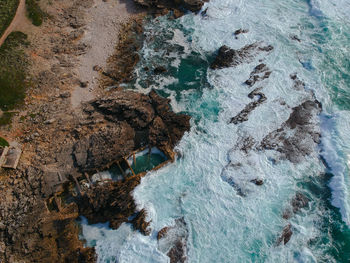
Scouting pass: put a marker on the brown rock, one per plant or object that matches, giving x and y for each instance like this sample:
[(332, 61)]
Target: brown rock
[(162, 233), (140, 223), (286, 235)]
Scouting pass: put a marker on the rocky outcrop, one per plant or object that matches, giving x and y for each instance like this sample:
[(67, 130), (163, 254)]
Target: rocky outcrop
[(99, 149), (286, 235), (192, 5), (228, 57), (173, 241), (150, 113), (110, 202), (298, 202), (298, 136), (244, 114), (259, 73)]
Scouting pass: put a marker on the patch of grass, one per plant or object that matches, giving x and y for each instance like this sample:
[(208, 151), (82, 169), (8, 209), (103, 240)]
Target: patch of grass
[(35, 14), (6, 118), (13, 66), (8, 9), (3, 142)]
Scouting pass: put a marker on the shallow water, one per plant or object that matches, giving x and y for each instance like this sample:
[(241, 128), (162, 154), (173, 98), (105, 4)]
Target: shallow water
[(223, 224)]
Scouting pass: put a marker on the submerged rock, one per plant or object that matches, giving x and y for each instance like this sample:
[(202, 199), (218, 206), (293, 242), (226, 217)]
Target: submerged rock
[(299, 201), (228, 57)]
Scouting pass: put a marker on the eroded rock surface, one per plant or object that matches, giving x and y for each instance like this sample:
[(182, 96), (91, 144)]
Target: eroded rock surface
[(298, 136), (286, 235), (228, 57), (172, 241), (259, 73), (244, 114), (192, 5)]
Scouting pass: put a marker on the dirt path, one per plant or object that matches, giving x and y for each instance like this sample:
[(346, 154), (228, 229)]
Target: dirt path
[(20, 14)]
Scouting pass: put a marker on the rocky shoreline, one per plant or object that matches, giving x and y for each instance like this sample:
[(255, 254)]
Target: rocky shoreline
[(39, 203)]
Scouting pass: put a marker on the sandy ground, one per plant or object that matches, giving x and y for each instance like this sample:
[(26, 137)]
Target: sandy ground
[(19, 16), (101, 34)]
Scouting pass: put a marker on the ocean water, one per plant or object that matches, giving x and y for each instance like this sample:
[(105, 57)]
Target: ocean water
[(229, 219)]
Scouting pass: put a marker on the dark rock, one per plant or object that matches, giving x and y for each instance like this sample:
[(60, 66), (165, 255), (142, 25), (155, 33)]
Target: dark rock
[(84, 84), (175, 236), (110, 202), (97, 68), (299, 201), (295, 37), (228, 57), (286, 235), (244, 114), (177, 253), (162, 233), (139, 222), (240, 31), (298, 136), (133, 107), (159, 70), (256, 75), (257, 181), (97, 150), (298, 84)]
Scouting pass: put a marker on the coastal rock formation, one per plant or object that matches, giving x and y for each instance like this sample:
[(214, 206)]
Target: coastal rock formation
[(298, 202), (172, 241), (192, 5), (297, 136), (110, 202), (259, 73), (286, 235), (244, 114), (228, 57)]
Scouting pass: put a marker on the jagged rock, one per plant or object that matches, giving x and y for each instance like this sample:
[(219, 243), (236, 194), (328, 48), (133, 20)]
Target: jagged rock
[(174, 241), (97, 150), (110, 202), (177, 124), (257, 181), (240, 31), (140, 223), (162, 233), (244, 114), (286, 235), (133, 107), (159, 70), (297, 136), (299, 201), (228, 57), (256, 74), (192, 5), (298, 84)]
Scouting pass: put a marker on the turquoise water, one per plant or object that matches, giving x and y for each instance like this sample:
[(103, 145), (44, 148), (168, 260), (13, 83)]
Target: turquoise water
[(147, 162), (224, 226)]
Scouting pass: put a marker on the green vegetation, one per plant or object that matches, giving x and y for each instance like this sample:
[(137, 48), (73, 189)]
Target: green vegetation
[(7, 11), (3, 142), (13, 64), (6, 118), (13, 67), (34, 12)]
